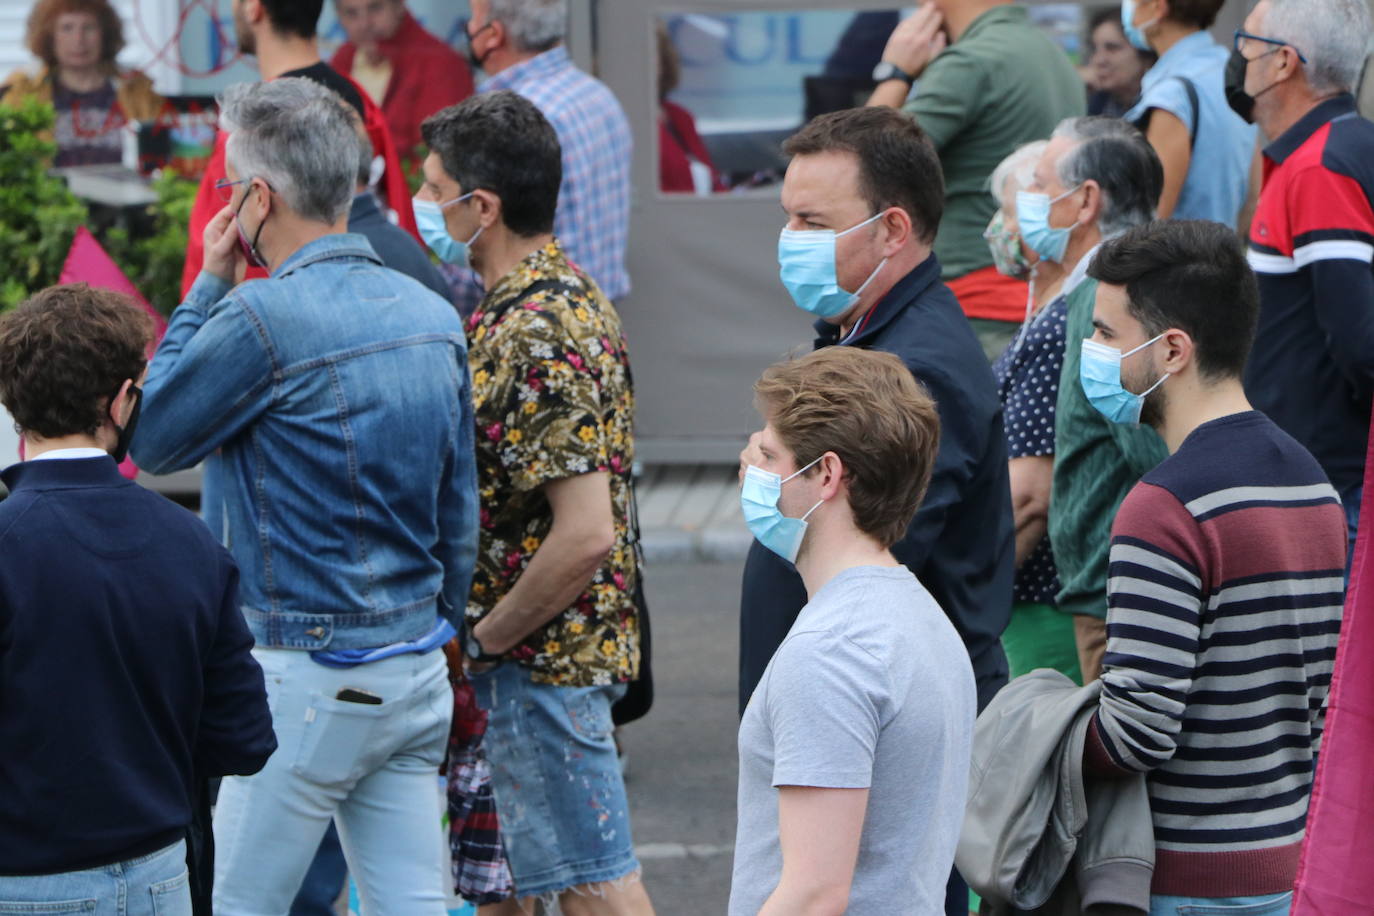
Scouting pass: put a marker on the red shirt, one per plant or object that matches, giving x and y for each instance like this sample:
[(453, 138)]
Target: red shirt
[(426, 76), (678, 144), (209, 202)]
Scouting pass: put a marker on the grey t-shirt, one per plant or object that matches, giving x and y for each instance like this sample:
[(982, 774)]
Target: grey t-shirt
[(872, 689)]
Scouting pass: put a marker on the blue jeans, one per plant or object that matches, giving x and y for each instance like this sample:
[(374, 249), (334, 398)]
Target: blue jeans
[(372, 768), (151, 885), (560, 798), (325, 880), (1263, 905)]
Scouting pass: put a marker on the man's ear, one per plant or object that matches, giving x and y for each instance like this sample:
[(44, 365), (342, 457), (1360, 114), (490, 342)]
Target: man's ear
[(1092, 203), (498, 32), (489, 207), (117, 411), (252, 11), (899, 230), (1179, 350), (832, 475)]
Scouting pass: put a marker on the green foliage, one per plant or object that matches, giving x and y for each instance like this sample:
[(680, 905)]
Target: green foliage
[(152, 257), (38, 215)]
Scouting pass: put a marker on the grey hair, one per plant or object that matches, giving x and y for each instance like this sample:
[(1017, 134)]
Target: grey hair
[(1332, 34), (533, 25), (289, 133), (1020, 165), (1114, 154)]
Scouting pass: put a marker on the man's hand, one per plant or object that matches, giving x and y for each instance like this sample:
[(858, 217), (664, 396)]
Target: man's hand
[(222, 255), (916, 40), (750, 455)]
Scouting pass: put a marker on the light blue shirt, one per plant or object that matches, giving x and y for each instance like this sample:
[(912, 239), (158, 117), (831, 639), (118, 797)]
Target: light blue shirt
[(1219, 170)]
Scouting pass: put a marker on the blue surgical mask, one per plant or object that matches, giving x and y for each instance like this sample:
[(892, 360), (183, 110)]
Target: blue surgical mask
[(759, 500), (1033, 215), (1100, 374), (1135, 34), (429, 218), (806, 260)]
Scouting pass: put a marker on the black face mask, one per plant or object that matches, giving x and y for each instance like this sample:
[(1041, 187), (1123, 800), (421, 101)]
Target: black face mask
[(474, 59), (126, 432), (1240, 101)]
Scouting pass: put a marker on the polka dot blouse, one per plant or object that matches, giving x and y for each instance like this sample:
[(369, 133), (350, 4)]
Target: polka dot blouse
[(1028, 382)]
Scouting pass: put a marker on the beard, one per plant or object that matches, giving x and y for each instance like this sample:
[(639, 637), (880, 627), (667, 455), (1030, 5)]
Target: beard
[(1152, 409), (243, 35)]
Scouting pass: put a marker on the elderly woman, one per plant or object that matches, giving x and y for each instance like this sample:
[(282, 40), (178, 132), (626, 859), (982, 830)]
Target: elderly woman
[(75, 42), (1027, 372)]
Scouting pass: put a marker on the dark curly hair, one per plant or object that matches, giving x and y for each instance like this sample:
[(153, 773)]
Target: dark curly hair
[(43, 23), (64, 354)]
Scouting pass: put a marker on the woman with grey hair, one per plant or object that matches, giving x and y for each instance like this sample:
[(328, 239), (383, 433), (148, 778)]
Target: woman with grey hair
[(1038, 635)]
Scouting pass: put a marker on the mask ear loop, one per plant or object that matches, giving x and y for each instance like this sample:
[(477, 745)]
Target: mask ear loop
[(1030, 306)]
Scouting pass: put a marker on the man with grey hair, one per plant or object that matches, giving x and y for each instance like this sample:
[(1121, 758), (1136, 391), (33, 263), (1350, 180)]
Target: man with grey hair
[(519, 45), (1312, 238), (1097, 178), (330, 404)]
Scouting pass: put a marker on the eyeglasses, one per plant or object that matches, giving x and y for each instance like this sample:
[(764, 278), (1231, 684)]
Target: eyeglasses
[(225, 188), (1243, 36)]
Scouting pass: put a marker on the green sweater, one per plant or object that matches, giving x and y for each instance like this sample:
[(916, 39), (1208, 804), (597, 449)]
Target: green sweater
[(1096, 463), (1002, 84)]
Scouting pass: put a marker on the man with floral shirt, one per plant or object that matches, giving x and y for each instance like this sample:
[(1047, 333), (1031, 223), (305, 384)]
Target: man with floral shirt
[(553, 634)]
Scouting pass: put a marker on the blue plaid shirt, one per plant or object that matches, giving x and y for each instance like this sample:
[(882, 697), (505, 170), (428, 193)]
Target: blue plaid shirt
[(594, 201)]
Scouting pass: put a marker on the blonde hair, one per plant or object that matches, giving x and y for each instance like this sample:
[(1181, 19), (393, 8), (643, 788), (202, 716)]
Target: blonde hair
[(867, 408)]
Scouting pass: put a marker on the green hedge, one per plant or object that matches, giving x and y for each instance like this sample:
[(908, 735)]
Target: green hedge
[(39, 217)]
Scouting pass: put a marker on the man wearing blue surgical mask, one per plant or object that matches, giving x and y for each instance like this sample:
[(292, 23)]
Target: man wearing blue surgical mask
[(1225, 599), (1097, 178), (864, 720), (863, 196)]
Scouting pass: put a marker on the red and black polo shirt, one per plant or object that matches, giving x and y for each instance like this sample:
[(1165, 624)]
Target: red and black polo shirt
[(1311, 247)]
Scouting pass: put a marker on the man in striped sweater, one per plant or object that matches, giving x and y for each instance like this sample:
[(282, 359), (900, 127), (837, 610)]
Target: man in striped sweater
[(1225, 580)]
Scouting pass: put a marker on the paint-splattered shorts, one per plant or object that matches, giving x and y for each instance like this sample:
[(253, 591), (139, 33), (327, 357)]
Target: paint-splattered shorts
[(560, 799)]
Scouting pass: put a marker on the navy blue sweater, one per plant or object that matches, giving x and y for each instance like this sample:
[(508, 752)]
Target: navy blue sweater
[(125, 672)]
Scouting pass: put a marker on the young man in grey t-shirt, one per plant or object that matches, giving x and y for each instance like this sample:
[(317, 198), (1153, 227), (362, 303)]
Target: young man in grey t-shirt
[(854, 749)]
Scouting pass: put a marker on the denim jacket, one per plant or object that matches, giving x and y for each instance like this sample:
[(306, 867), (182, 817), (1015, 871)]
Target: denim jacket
[(331, 404)]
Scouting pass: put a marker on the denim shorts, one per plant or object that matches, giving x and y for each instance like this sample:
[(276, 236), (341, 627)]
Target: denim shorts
[(560, 798), (1263, 905), (151, 885)]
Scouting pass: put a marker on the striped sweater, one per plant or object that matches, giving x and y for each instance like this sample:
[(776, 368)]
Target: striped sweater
[(1224, 603)]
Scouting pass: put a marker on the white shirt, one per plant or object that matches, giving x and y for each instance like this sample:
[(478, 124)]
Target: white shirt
[(61, 453)]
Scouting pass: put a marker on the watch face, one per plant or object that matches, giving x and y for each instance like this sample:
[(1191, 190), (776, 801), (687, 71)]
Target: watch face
[(887, 71)]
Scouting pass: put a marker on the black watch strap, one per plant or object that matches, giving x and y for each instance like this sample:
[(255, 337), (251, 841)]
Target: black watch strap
[(886, 71), (472, 648)]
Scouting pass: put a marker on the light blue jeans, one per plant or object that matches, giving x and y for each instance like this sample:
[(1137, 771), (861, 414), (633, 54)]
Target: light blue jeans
[(560, 798), (1264, 905), (151, 885), (372, 768)]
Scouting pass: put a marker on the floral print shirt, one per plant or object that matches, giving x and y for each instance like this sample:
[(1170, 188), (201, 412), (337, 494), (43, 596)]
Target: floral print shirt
[(553, 398)]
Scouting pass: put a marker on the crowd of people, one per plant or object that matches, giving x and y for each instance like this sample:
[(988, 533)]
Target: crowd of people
[(1061, 507)]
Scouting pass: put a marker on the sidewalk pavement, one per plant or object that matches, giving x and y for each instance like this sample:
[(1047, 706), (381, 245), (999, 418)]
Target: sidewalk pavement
[(691, 514)]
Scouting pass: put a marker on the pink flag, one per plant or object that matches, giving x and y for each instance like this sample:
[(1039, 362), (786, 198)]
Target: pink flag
[(1335, 877), (88, 263)]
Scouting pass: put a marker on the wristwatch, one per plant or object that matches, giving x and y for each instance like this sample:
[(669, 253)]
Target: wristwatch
[(886, 71), (472, 648)]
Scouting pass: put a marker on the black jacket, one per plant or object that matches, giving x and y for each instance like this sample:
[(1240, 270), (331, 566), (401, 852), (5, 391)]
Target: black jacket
[(397, 249), (125, 672), (960, 545)]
